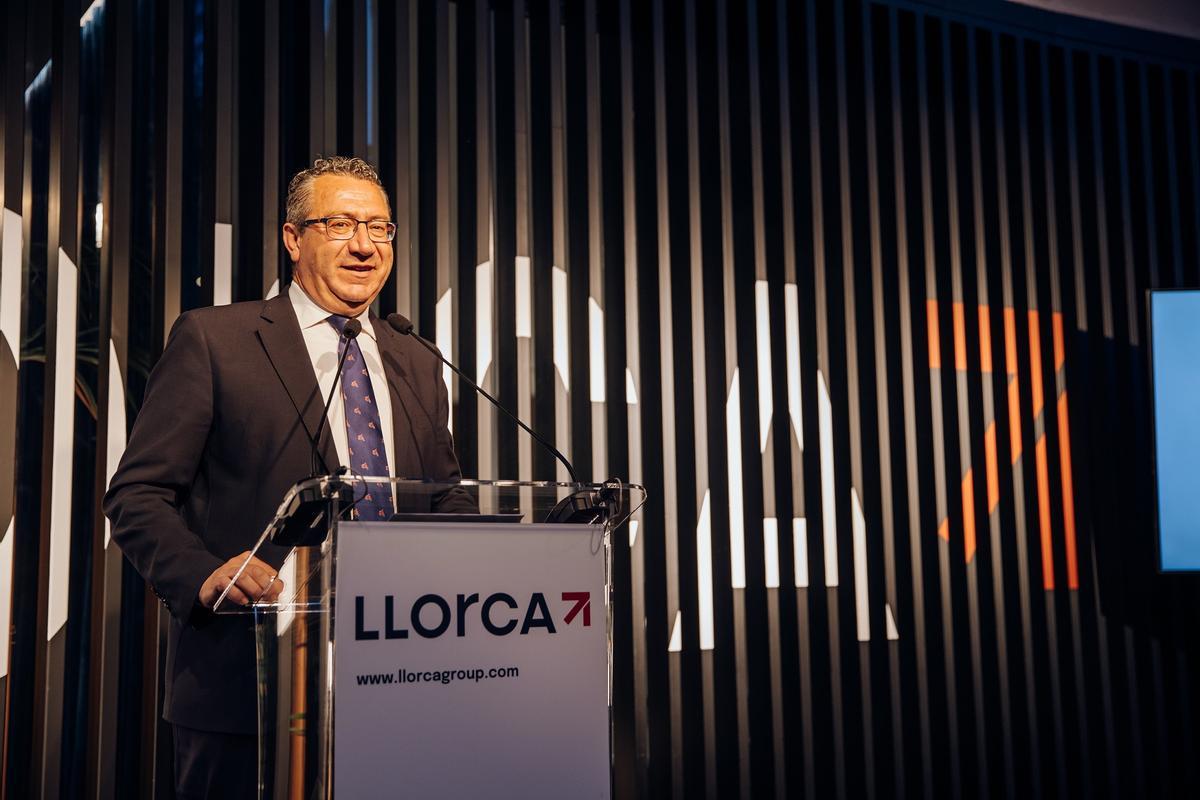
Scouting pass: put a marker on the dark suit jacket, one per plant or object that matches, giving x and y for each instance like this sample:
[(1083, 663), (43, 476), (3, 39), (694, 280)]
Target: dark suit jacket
[(221, 436)]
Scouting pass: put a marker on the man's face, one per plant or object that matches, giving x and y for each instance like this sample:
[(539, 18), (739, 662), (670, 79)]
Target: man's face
[(342, 276)]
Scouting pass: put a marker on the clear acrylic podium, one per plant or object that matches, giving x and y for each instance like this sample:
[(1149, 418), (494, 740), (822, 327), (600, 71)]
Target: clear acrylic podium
[(297, 655)]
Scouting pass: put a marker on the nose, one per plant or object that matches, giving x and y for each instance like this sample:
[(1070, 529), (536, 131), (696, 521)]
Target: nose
[(360, 243)]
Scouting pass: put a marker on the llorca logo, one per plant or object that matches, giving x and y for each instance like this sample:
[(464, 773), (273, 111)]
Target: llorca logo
[(431, 615)]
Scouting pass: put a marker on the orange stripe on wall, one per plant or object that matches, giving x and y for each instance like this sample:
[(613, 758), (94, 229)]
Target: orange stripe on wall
[(1014, 419), (1010, 341), (993, 477), (931, 322), (968, 503), (1068, 489), (944, 530), (1035, 364), (1060, 354), (985, 339), (1014, 393), (1043, 484), (960, 338)]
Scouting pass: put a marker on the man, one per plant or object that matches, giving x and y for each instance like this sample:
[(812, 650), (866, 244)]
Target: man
[(226, 428)]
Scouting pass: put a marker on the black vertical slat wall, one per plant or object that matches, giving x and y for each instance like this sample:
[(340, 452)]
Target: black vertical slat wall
[(857, 290)]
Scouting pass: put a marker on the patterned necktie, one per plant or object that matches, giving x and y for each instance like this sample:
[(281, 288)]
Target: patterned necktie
[(364, 432)]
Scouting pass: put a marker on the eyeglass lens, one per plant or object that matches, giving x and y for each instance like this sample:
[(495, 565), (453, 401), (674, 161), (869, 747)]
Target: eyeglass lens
[(345, 227)]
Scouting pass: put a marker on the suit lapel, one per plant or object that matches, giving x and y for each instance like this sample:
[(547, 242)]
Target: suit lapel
[(279, 333), (397, 368)]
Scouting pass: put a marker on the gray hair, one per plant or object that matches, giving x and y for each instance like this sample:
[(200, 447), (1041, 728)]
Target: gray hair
[(300, 190)]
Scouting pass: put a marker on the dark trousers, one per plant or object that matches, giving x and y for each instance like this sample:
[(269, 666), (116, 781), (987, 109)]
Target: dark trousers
[(211, 764)]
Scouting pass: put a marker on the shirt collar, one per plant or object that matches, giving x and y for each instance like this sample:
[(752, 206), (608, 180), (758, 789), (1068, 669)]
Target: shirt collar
[(310, 315)]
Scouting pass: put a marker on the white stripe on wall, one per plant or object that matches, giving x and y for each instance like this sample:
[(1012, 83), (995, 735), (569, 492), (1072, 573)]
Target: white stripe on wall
[(6, 565), (800, 552), (771, 551), (828, 504), (91, 13), (483, 320), (676, 643), (98, 219), (737, 525), (445, 343), (64, 446), (861, 602), (287, 574), (10, 336), (524, 299), (791, 308), (222, 264), (704, 574), (562, 357), (115, 425), (892, 634), (10, 282), (483, 366), (766, 408), (596, 350), (562, 367)]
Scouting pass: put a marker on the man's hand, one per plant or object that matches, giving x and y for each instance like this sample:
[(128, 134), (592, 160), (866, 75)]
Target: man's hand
[(257, 582)]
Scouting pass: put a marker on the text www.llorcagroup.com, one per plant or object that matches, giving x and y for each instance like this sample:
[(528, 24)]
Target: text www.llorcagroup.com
[(443, 676)]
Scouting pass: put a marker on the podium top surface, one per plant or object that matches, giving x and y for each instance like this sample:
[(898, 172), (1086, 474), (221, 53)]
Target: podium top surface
[(311, 509), (534, 500)]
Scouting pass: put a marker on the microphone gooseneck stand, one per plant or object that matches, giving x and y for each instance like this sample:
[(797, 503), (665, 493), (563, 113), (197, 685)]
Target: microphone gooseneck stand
[(310, 508), (580, 507), (349, 334)]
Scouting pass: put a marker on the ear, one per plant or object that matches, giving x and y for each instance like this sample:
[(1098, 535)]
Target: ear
[(291, 241)]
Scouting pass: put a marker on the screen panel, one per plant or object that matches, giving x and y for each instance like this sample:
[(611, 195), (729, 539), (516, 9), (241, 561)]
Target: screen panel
[(1175, 339)]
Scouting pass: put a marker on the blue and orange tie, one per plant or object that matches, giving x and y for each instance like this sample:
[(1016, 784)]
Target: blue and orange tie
[(364, 432)]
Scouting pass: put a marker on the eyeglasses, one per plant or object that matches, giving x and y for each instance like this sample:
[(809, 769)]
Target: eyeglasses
[(378, 230)]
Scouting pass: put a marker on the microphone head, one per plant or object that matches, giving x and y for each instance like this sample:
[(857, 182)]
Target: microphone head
[(353, 328), (400, 323)]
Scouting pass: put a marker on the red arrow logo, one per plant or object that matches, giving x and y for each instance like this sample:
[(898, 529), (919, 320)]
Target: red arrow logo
[(583, 602)]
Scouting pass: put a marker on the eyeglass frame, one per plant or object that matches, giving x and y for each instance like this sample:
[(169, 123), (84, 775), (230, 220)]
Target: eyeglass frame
[(325, 221)]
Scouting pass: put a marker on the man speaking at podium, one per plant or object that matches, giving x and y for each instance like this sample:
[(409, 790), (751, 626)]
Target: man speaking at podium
[(229, 423)]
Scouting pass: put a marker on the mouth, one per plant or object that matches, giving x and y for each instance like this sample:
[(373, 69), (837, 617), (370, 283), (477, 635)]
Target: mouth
[(358, 267)]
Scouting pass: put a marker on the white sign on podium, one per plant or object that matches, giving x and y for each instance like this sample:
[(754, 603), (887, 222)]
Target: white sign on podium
[(470, 661)]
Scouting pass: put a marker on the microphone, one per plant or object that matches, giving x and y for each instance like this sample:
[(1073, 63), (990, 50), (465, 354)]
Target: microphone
[(307, 509), (349, 333), (404, 327)]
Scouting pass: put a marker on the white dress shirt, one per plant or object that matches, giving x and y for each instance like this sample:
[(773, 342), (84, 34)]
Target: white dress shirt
[(321, 339)]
